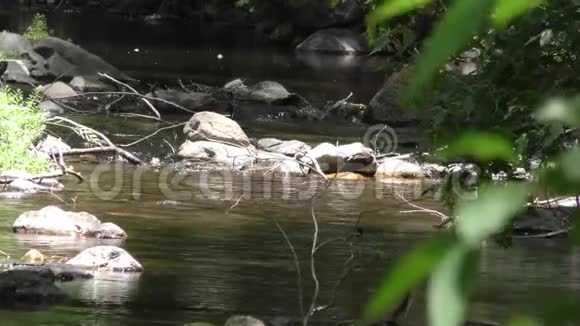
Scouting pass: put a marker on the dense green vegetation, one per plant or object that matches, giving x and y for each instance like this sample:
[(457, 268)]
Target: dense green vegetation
[(38, 28), (21, 125), (527, 59)]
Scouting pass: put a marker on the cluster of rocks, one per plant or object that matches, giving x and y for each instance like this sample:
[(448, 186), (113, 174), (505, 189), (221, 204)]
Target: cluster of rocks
[(33, 282), (220, 142)]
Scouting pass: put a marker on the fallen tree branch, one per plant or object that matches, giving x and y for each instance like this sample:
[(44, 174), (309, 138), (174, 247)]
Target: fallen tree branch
[(105, 149), (153, 134), (110, 148)]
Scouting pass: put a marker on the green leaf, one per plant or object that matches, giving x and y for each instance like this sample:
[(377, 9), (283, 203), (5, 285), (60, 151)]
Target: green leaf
[(490, 213), (506, 10), (450, 285), (388, 10), (463, 21), (481, 145), (524, 321), (407, 274), (561, 110)]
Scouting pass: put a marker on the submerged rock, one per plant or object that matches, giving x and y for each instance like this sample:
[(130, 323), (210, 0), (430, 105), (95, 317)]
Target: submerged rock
[(284, 147), (27, 288), (396, 168), (244, 321), (106, 258), (335, 40), (353, 157), (210, 126), (33, 256), (349, 176), (52, 220), (223, 155)]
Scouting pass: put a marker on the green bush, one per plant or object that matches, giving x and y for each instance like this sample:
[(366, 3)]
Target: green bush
[(21, 124), (38, 28)]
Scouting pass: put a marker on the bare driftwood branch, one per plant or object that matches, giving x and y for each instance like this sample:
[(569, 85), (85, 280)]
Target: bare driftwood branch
[(146, 101), (445, 220), (105, 149)]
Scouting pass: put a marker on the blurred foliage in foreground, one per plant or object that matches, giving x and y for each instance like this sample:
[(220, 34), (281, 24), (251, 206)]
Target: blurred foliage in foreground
[(527, 59)]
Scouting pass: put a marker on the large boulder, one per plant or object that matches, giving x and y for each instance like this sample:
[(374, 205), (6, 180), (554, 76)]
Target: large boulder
[(219, 154), (68, 60), (353, 157), (335, 40), (52, 220), (210, 126), (30, 64), (385, 106), (106, 258), (27, 288), (284, 147)]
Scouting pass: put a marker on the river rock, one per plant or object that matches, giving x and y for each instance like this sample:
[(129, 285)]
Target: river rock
[(52, 146), (33, 256), (109, 231), (353, 157), (28, 288), (385, 106), (55, 221), (396, 168), (284, 147), (264, 91), (106, 258), (244, 321), (90, 84), (30, 186), (58, 90), (335, 40), (210, 126), (50, 108), (223, 155), (541, 220), (52, 220)]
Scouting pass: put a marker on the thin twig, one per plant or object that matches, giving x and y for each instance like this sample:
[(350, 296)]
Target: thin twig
[(153, 134), (296, 264)]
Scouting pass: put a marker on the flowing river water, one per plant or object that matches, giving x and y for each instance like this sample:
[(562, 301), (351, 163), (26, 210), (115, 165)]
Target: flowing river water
[(210, 245)]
